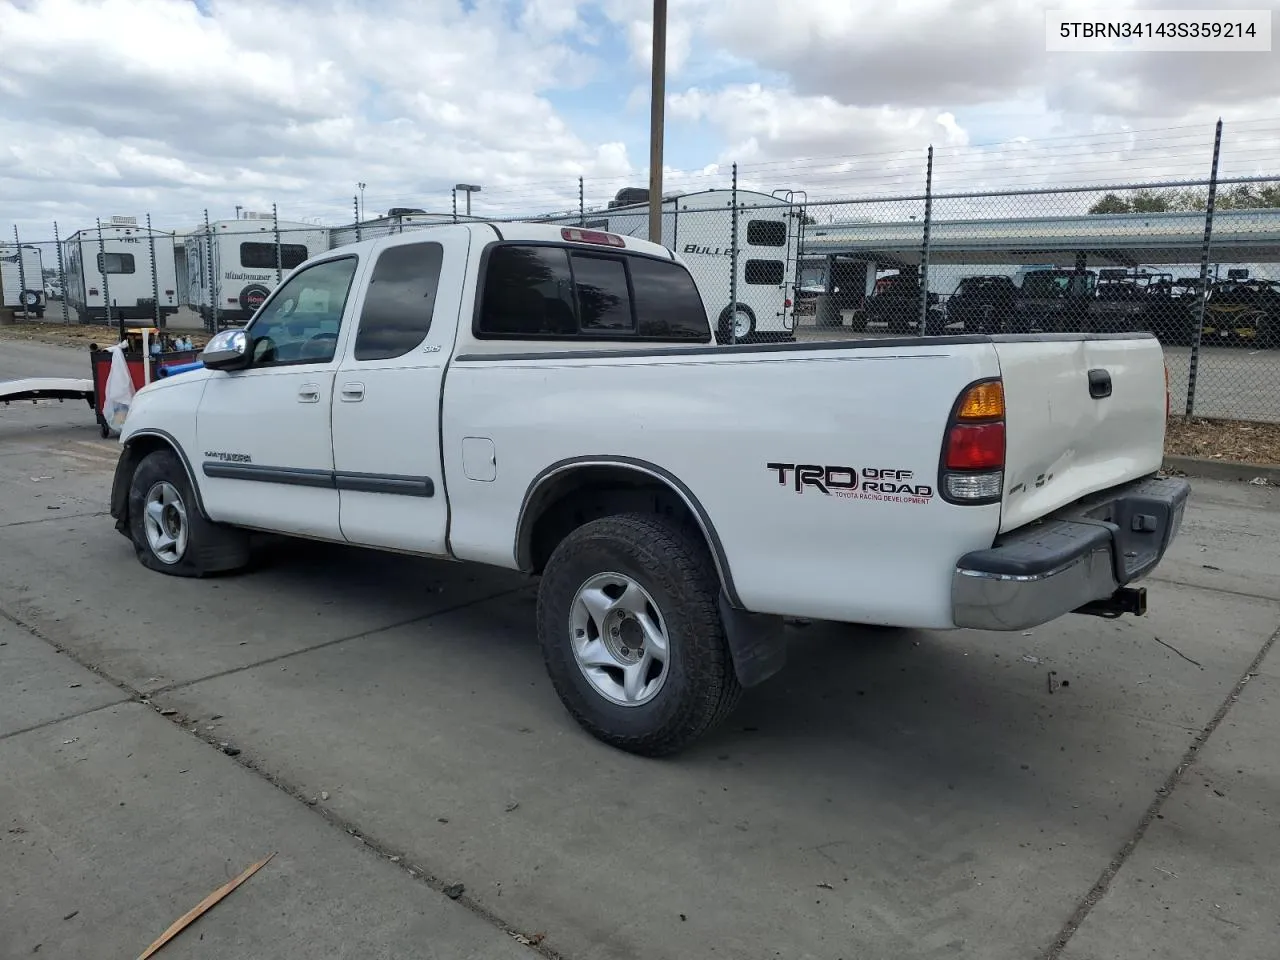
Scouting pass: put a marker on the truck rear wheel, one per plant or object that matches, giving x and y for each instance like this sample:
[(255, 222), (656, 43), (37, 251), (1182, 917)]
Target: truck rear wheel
[(169, 535), (631, 634)]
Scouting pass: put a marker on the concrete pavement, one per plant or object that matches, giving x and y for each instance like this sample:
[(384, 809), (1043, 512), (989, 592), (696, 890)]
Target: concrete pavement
[(899, 794)]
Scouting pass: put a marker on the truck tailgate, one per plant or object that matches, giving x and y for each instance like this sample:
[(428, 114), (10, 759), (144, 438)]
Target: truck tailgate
[(1082, 414)]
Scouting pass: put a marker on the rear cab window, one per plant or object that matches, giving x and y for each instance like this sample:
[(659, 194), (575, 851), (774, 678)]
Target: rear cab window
[(542, 291)]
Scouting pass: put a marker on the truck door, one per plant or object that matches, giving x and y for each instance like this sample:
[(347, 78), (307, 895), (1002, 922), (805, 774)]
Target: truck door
[(265, 444), (386, 404)]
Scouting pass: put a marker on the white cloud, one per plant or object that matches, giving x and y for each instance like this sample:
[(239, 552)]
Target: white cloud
[(128, 106)]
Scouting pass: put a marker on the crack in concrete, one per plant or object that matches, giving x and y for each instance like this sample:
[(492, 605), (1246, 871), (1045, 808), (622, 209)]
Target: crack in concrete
[(55, 516), (57, 720), (1102, 885)]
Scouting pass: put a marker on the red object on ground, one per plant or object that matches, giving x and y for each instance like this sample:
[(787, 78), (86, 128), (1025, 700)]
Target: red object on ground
[(100, 362)]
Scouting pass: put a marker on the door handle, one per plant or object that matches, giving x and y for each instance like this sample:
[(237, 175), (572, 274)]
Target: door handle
[(1099, 384), (353, 392), (309, 393)]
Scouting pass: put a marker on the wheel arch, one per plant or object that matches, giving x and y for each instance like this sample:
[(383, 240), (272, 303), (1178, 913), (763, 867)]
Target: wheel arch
[(574, 491), (138, 446)]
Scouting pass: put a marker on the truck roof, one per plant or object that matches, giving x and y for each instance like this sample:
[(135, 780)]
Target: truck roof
[(525, 231)]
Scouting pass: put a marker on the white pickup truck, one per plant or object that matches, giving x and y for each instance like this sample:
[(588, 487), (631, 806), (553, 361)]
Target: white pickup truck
[(551, 400)]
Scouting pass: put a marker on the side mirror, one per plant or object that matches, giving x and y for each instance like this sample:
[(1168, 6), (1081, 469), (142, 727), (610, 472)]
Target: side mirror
[(228, 350)]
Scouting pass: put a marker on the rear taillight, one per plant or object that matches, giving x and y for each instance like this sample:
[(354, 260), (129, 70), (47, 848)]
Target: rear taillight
[(1168, 403), (973, 451)]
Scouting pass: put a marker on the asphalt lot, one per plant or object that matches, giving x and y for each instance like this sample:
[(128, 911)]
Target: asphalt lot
[(891, 794)]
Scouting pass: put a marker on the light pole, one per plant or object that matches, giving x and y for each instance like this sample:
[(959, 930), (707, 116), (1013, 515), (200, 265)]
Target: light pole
[(657, 96), (238, 209), (361, 186), (468, 189)]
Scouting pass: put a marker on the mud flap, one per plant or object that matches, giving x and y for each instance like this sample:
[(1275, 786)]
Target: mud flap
[(757, 643)]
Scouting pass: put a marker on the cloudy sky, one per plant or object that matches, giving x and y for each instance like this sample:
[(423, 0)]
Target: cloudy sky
[(174, 106)]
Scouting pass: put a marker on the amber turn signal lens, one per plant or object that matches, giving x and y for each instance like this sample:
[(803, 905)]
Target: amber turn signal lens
[(982, 401)]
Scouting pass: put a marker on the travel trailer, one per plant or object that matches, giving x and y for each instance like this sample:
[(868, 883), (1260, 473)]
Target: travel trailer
[(233, 265), (123, 262), (22, 278)]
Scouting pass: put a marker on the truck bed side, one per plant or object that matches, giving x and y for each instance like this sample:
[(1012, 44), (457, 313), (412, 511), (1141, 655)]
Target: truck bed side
[(732, 426)]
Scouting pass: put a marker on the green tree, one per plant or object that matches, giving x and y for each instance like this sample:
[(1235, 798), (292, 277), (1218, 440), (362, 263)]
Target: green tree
[(1240, 196)]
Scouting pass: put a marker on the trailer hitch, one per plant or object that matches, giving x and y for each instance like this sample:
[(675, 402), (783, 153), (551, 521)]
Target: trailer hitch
[(1125, 600)]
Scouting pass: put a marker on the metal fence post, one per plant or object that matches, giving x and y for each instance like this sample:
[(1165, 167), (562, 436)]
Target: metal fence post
[(275, 226), (455, 204), (22, 274), (155, 277), (212, 323), (924, 250), (582, 205), (102, 273), (1194, 365), (733, 262), (62, 275)]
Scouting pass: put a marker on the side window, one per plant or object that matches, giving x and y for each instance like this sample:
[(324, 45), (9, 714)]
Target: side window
[(766, 233), (401, 298), (528, 291), (302, 320), (116, 263), (668, 304), (768, 272), (263, 255), (604, 298)]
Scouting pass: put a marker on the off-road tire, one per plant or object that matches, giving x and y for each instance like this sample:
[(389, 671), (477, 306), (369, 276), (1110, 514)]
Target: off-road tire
[(211, 547), (701, 687)]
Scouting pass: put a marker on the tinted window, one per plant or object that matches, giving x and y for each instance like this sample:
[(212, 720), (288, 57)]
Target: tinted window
[(667, 301), (766, 233), (263, 255), (401, 298), (528, 291), (116, 263), (604, 302), (765, 271), (301, 322)]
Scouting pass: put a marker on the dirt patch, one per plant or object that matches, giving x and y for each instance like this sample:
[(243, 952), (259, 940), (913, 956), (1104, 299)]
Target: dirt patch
[(1237, 440), (81, 335)]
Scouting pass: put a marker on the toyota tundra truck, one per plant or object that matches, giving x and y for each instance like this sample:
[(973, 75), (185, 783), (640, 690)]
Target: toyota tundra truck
[(552, 400)]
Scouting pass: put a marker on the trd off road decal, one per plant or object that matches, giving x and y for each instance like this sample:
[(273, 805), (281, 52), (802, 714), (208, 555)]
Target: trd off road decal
[(890, 485)]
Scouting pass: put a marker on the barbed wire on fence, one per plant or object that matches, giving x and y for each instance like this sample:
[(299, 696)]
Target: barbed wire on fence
[(1192, 260)]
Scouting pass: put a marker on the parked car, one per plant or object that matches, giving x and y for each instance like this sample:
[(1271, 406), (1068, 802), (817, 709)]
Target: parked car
[(551, 400), (983, 304)]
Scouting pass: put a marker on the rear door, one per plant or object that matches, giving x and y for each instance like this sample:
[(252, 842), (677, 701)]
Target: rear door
[(1081, 415), (386, 403)]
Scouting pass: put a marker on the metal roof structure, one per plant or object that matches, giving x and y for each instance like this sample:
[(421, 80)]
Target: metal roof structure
[(1125, 240)]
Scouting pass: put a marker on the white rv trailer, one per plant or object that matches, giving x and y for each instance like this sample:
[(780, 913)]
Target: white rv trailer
[(126, 263), (232, 267), (698, 227), (397, 220), (22, 278)]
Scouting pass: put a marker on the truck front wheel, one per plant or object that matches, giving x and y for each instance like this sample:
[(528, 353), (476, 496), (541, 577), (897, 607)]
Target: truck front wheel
[(631, 634), (169, 535)]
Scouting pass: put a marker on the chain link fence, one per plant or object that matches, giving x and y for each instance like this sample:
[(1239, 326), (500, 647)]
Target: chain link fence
[(1194, 262)]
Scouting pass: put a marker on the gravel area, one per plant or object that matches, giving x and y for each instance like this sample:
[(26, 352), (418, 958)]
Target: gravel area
[(1234, 440)]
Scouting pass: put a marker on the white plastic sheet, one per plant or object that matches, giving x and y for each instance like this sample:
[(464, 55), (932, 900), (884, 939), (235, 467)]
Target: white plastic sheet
[(119, 391)]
